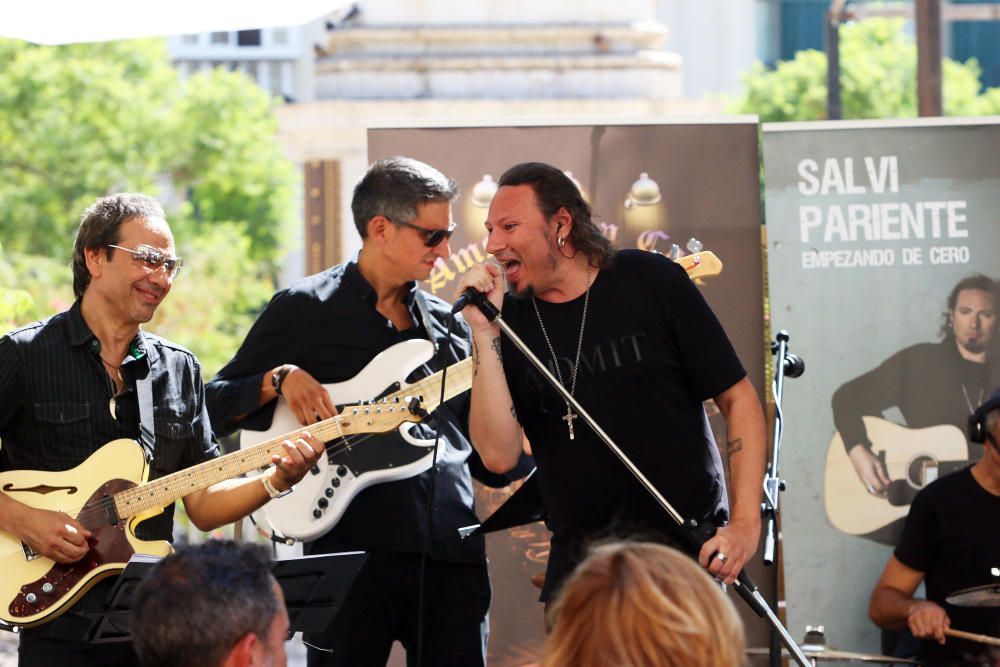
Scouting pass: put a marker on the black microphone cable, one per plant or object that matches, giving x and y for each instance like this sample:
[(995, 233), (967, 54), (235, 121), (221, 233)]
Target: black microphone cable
[(429, 506)]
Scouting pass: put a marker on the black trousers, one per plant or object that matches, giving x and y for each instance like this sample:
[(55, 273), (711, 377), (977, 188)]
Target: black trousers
[(382, 607)]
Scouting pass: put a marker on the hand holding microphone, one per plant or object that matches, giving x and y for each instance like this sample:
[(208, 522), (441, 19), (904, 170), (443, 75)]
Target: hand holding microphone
[(482, 285)]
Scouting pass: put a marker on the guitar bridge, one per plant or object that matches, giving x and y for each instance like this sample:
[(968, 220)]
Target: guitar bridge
[(29, 553)]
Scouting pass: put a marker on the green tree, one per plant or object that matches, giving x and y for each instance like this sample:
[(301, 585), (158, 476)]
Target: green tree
[(81, 121), (878, 80), (84, 120)]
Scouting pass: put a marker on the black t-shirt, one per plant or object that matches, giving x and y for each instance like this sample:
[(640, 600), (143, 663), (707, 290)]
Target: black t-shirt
[(952, 535), (652, 352), (930, 383)]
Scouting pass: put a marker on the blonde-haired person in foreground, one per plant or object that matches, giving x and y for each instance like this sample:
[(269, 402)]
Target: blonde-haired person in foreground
[(642, 605)]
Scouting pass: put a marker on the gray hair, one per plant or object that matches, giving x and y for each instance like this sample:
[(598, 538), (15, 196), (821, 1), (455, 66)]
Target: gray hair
[(197, 603), (394, 187), (100, 226)]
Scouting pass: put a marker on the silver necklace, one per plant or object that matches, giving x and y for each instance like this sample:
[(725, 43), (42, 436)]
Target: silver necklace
[(968, 402), (570, 415)]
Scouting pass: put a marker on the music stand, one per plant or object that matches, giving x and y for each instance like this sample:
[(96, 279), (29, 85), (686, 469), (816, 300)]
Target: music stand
[(524, 506), (314, 588)]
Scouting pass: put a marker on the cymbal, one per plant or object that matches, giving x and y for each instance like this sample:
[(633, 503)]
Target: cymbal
[(977, 596), (833, 655)]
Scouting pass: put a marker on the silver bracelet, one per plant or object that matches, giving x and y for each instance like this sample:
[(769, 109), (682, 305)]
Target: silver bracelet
[(265, 479)]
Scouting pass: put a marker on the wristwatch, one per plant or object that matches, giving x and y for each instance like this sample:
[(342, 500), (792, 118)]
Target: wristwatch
[(278, 377), (265, 479)]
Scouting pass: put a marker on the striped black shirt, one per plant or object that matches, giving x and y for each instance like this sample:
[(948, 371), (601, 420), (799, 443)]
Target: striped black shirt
[(56, 402)]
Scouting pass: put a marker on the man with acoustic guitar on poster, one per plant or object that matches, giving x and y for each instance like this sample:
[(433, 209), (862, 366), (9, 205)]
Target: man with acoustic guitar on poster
[(934, 387), (89, 376)]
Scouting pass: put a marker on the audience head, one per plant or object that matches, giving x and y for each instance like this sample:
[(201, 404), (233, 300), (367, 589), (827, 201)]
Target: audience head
[(212, 604), (643, 605)]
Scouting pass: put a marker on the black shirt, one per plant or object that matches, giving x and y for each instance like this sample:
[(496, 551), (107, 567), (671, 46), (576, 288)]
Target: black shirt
[(652, 352), (327, 325), (952, 535), (55, 402), (930, 383)]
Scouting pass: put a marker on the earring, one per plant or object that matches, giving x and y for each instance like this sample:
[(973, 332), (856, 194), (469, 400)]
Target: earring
[(560, 241)]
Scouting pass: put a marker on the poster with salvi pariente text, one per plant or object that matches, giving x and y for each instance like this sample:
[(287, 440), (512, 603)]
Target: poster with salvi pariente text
[(871, 227)]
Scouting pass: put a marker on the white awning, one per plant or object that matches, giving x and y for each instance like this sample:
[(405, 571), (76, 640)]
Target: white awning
[(68, 21)]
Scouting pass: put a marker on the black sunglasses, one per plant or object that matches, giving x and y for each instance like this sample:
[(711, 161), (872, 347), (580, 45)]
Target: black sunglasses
[(432, 237)]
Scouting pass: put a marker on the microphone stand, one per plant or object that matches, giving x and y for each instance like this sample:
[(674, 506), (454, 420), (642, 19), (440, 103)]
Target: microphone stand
[(697, 534), (773, 484)]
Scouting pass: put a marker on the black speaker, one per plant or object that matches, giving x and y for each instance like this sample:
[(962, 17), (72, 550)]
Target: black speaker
[(977, 420)]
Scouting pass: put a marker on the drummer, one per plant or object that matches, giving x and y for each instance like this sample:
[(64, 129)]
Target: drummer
[(951, 541)]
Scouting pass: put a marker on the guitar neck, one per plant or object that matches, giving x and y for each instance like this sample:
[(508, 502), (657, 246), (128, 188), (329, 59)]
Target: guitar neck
[(459, 380), (388, 412)]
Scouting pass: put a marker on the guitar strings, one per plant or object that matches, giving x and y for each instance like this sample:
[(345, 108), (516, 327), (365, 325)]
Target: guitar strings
[(99, 509)]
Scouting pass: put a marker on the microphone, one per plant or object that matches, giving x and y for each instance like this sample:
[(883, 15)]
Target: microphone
[(794, 366), (473, 296), (470, 295)]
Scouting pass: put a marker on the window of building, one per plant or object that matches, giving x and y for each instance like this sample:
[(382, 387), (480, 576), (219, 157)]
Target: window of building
[(802, 24), (248, 38), (979, 40), (219, 38), (189, 39), (279, 36)]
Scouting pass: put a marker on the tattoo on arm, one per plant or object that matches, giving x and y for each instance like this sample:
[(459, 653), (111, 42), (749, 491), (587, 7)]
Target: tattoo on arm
[(495, 344), (733, 446), (475, 359)]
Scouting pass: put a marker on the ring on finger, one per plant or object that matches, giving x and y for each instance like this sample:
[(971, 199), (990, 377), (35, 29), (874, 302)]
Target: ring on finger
[(719, 556)]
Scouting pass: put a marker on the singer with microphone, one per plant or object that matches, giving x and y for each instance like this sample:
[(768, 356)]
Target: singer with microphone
[(631, 338)]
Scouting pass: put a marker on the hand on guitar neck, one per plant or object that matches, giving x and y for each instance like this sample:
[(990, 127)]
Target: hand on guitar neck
[(871, 470), (55, 535)]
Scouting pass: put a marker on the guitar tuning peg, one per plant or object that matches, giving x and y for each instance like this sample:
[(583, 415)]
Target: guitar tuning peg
[(694, 245), (675, 252)]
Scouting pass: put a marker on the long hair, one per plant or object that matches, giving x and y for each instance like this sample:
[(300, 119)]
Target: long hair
[(643, 605), (976, 281), (554, 190), (100, 226)]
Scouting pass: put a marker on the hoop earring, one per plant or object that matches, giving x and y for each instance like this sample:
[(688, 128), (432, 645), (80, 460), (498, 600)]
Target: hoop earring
[(561, 242)]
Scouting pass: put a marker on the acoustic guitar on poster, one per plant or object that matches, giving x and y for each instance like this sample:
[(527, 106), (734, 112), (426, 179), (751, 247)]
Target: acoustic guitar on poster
[(913, 457)]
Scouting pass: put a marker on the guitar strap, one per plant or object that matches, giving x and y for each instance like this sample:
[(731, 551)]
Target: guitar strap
[(144, 390)]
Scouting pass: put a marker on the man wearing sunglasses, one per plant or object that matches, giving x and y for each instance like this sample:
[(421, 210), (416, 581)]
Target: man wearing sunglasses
[(69, 385), (325, 329)]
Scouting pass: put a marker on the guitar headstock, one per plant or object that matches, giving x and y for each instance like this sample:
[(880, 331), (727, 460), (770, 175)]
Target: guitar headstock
[(701, 264), (382, 415)]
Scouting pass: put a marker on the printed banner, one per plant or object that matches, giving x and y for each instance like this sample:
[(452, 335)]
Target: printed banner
[(879, 235)]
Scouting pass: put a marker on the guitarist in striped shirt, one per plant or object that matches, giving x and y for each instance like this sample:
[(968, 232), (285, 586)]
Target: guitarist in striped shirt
[(68, 385)]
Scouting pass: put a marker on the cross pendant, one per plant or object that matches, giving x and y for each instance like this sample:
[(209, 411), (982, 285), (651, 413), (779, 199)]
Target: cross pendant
[(568, 418)]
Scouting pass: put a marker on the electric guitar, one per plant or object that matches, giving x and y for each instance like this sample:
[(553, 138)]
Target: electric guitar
[(321, 498), (913, 457), (108, 494), (353, 464)]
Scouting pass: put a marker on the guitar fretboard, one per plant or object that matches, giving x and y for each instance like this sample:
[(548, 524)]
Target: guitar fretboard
[(377, 416)]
